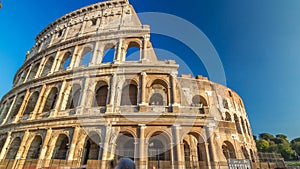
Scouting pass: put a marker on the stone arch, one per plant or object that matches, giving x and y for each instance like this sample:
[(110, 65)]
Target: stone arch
[(91, 149), (101, 94), (33, 71), (133, 51), (158, 95), (35, 148), (48, 66), (109, 53), (86, 56), (31, 103), (237, 124), (65, 61), (51, 99), (227, 116), (16, 107), (159, 147), (61, 148), (74, 96), (125, 146), (199, 101), (129, 93), (228, 150), (13, 148), (199, 150), (5, 109)]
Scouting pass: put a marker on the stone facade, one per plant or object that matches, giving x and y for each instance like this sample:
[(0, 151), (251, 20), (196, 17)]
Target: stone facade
[(79, 100)]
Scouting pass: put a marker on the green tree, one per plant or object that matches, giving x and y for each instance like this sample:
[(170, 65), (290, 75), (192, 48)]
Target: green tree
[(262, 145), (296, 145), (266, 136)]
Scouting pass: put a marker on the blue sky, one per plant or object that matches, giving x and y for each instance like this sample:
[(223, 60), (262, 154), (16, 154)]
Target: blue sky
[(258, 43)]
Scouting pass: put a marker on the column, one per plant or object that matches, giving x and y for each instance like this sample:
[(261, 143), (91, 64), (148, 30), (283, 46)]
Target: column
[(207, 155), (23, 106), (73, 58), (175, 104), (179, 157), (5, 146), (112, 93), (95, 54), (75, 138), (42, 162), (60, 98), (119, 56), (211, 147), (142, 156), (38, 103), (56, 62), (143, 105), (9, 111), (41, 67), (145, 47), (105, 153), (19, 163)]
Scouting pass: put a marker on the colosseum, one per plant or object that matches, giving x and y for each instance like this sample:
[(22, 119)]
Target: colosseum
[(80, 100)]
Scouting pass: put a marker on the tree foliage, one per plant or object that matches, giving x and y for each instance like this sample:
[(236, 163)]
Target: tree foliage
[(279, 144)]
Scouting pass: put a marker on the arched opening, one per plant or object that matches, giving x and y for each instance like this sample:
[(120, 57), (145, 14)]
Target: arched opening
[(16, 107), (228, 150), (243, 125), (13, 149), (158, 93), (33, 71), (74, 97), (51, 100), (6, 106), (199, 101), (101, 96), (86, 57), (252, 155), (227, 116), (91, 149), (129, 95), (187, 151), (158, 148), (61, 147), (48, 66), (65, 62), (225, 104), (23, 76), (35, 148), (237, 124), (245, 152), (30, 105), (125, 146), (109, 55), (2, 142), (133, 52)]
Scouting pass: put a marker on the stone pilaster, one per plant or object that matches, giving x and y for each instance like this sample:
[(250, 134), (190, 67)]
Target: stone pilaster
[(60, 98), (9, 111), (5, 146), (175, 99), (42, 162), (23, 106), (143, 105), (112, 93), (75, 138), (38, 103), (142, 153), (179, 156)]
